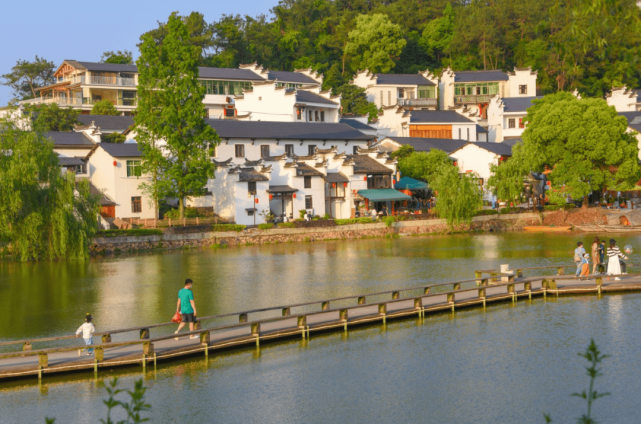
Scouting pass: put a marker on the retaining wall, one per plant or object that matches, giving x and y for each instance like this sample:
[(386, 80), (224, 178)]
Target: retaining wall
[(285, 235)]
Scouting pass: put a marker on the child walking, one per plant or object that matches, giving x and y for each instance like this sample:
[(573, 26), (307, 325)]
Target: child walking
[(87, 329), (585, 266)]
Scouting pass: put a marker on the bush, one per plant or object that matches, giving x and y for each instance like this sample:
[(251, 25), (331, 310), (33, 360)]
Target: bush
[(389, 220), (189, 213), (265, 226), (286, 225), (131, 232), (228, 227), (326, 216), (486, 212), (302, 213), (362, 220), (509, 210)]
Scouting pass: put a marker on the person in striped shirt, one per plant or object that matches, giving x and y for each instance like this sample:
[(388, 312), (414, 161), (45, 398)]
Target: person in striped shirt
[(614, 255)]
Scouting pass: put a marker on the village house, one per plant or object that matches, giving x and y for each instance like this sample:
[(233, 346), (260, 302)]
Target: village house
[(505, 117), (392, 144), (474, 89), (623, 99), (634, 125), (478, 158), (360, 123), (410, 91)]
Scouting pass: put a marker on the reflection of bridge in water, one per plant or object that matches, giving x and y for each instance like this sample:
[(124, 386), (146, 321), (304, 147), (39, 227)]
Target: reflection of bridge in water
[(298, 320)]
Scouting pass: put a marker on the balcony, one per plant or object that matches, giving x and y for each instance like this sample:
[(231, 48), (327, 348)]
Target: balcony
[(85, 101), (118, 81), (462, 99), (417, 102)]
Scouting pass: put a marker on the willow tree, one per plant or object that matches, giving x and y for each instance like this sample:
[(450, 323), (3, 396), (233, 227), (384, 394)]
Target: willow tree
[(507, 178), (171, 110), (43, 213)]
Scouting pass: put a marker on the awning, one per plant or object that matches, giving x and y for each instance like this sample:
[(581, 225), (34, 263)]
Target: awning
[(410, 184), (383, 195), (284, 189)]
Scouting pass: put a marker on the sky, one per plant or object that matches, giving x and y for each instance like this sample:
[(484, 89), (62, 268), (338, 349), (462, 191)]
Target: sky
[(83, 31)]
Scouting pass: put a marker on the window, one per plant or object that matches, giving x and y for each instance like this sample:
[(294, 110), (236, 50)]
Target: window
[(522, 89), (322, 116), (468, 134), (250, 212), (355, 151), (316, 116), (225, 87), (308, 202), (426, 92), (311, 149), (389, 97), (264, 151), (289, 150), (136, 204), (511, 123), (401, 93), (298, 114), (459, 134), (230, 112), (378, 181), (521, 124), (251, 188), (310, 116), (134, 168), (381, 98), (334, 190), (240, 150), (308, 182)]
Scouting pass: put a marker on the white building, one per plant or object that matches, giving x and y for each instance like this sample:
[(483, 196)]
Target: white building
[(286, 167), (505, 117), (270, 101), (410, 91), (634, 125), (474, 89), (479, 157), (392, 144), (624, 100), (450, 124)]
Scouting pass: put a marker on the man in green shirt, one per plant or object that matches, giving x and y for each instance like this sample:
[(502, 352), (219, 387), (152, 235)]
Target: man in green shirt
[(187, 308)]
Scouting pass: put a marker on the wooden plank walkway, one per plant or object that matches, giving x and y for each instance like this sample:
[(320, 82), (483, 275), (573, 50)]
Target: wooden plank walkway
[(146, 351)]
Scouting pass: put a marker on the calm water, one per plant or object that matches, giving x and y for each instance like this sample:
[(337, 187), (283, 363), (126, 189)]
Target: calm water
[(507, 364)]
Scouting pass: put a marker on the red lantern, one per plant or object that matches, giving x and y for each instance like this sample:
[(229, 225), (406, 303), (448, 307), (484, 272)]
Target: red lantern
[(333, 185), (455, 163), (115, 163), (365, 178), (549, 183), (294, 195), (271, 196), (257, 200), (393, 182), (344, 185)]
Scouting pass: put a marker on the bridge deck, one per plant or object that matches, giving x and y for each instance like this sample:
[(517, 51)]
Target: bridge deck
[(237, 336)]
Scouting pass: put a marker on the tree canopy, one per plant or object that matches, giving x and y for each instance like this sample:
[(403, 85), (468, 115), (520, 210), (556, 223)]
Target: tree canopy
[(375, 43), (44, 214), (51, 117), (105, 107), (354, 101), (171, 108), (118, 57), (26, 76)]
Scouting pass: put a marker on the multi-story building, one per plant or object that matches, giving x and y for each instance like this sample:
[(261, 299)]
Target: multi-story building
[(410, 91), (474, 89), (505, 117), (624, 100), (447, 124)]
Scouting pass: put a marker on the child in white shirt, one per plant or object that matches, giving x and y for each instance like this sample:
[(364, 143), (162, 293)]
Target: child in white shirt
[(87, 329)]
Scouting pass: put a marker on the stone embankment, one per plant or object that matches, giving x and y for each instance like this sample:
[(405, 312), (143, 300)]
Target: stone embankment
[(287, 235)]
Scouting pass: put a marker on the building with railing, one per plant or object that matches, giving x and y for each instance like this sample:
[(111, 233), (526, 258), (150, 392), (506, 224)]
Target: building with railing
[(410, 91), (505, 117), (624, 100), (474, 89)]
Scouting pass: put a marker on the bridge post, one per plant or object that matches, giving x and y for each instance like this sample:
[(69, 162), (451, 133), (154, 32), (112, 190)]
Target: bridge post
[(106, 338), (26, 346), (361, 300), (148, 348), (426, 290), (286, 311), (482, 295), (528, 288), (494, 277), (197, 325), (451, 298), (302, 323), (343, 315), (485, 282), (255, 331), (478, 275), (99, 356), (418, 305), (144, 333), (519, 272), (512, 291), (456, 286), (325, 305), (395, 295), (599, 284), (242, 318), (382, 310), (560, 271)]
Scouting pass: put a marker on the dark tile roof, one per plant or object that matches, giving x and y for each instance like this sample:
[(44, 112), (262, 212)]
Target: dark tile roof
[(70, 161), (518, 104), (104, 200), (438, 117), (480, 76), (304, 170), (228, 74), (281, 189), (108, 123), (250, 174), (480, 129), (402, 79), (285, 130), (363, 164), (512, 141), (496, 148), (69, 138), (106, 67), (293, 77), (336, 177), (426, 144), (304, 96), (357, 125), (122, 150), (634, 120)]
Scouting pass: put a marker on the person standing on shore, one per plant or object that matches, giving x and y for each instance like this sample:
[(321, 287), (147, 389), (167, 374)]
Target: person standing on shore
[(578, 257), (187, 308), (596, 257), (614, 266)]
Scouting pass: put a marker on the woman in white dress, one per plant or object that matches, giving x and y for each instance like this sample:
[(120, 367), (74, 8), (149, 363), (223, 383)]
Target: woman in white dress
[(614, 267)]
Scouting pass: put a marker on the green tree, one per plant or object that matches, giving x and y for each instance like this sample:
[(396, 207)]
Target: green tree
[(44, 214), (26, 76), (421, 165), (51, 117), (402, 153), (171, 108), (118, 57), (584, 142), (113, 138), (438, 33), (105, 107), (376, 43), (507, 179), (354, 101)]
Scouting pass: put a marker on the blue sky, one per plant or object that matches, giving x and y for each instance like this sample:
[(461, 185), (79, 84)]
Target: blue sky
[(82, 31)]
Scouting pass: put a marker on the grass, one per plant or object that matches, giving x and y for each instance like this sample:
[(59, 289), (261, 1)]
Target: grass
[(362, 220), (128, 233), (265, 226), (228, 227), (286, 225), (486, 212)]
